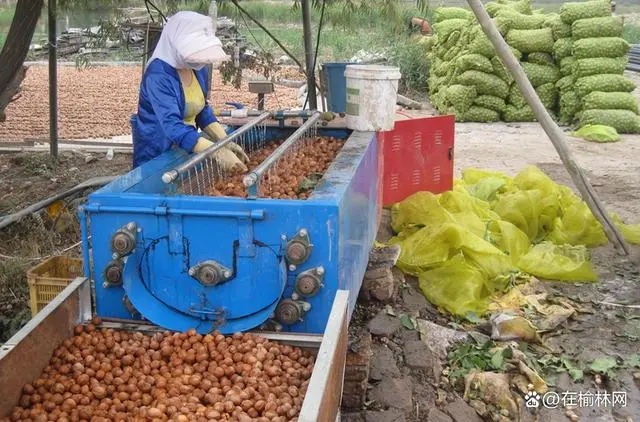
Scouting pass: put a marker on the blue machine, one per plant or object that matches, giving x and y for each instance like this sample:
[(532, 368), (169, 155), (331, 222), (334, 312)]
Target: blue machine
[(232, 264)]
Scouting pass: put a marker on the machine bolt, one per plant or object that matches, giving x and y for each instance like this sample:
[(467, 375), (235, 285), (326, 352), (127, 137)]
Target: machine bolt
[(306, 306), (320, 270), (283, 237), (192, 272), (105, 285), (295, 296), (227, 274), (303, 232), (114, 256), (292, 267)]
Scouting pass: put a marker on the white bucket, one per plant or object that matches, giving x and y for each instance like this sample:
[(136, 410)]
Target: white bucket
[(371, 97)]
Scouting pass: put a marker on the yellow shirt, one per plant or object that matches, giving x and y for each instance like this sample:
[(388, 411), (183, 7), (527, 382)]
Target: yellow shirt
[(193, 96)]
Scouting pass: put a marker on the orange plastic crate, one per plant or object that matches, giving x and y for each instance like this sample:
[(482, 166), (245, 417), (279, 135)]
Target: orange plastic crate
[(50, 277)]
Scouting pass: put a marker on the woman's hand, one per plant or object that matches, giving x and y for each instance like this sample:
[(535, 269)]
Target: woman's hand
[(225, 157)]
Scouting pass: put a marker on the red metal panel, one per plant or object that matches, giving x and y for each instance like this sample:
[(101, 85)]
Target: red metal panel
[(418, 156)]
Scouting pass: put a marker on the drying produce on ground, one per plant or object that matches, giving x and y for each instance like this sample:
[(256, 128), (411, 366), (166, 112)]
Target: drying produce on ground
[(294, 175), (469, 245), (101, 374), (567, 56)]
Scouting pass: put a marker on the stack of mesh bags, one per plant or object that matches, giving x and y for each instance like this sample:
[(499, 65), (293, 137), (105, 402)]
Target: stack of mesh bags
[(593, 89), (467, 78), (532, 42)]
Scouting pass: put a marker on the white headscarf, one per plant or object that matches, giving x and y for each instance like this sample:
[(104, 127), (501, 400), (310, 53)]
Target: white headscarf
[(188, 41)]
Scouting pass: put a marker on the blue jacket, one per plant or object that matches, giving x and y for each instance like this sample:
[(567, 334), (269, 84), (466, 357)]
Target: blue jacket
[(159, 123)]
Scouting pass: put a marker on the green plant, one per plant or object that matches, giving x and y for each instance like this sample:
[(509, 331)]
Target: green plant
[(467, 356), (411, 57), (632, 33)]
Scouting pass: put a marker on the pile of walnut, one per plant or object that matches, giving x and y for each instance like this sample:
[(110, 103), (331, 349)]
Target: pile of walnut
[(107, 375), (285, 178)]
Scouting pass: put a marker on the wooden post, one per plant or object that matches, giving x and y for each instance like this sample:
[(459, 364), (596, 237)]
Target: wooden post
[(552, 130), (53, 81)]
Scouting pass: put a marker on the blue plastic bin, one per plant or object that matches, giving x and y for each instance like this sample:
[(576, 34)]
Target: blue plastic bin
[(336, 86)]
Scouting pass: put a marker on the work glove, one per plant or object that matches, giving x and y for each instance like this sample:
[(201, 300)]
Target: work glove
[(216, 132), (225, 158)]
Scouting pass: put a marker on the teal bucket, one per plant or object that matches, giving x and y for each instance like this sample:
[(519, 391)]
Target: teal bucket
[(335, 86)]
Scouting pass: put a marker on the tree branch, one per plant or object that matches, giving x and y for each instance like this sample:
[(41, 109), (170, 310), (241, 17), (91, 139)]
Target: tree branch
[(287, 52)]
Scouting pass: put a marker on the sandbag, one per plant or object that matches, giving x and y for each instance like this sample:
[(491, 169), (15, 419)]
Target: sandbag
[(566, 66), (573, 11), (598, 100), (559, 28), (569, 106), (474, 61), (452, 39), (600, 65), (478, 114), (624, 121), (445, 28), (541, 74), (562, 48), (587, 48), (508, 19), (514, 114), (460, 96), (446, 13), (516, 98), (548, 95), (604, 83), (541, 58), (597, 133), (453, 52), (610, 26), (490, 101), (484, 83), (531, 40)]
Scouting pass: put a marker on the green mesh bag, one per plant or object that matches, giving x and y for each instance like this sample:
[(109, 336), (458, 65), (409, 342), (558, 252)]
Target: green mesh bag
[(571, 12), (516, 98), (569, 106), (491, 102), (447, 13), (522, 6), (624, 121), (598, 100), (597, 133), (565, 84), (515, 114), (531, 40), (480, 44), (566, 66), (508, 19), (485, 83), (559, 28), (452, 53), (474, 61), (478, 114), (460, 97), (541, 58), (548, 95), (500, 70), (588, 67), (445, 28), (604, 83), (610, 26), (540, 74), (588, 48), (562, 48), (452, 39)]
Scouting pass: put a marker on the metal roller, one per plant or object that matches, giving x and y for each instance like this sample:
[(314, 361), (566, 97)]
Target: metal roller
[(252, 180), (172, 175)]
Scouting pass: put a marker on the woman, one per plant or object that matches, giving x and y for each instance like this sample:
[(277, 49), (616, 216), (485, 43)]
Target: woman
[(173, 102)]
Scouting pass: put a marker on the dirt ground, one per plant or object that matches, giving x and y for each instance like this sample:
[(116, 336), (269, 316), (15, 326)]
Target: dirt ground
[(25, 179)]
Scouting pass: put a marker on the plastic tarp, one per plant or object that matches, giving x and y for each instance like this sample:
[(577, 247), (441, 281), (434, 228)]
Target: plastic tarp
[(469, 243)]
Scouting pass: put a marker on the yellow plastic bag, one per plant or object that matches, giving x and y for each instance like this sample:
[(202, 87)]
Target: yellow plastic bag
[(456, 286), (558, 262), (597, 133)]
